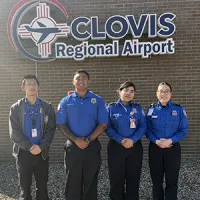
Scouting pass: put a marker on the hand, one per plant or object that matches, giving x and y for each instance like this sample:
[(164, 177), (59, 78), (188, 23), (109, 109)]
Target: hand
[(35, 149), (127, 143), (166, 143), (87, 140), (159, 142), (81, 143)]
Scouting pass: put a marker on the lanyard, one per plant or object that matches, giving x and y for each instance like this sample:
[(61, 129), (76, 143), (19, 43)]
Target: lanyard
[(126, 110), (33, 116)]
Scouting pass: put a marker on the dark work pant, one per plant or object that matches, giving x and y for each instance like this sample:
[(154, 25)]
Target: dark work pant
[(164, 162), (82, 169), (124, 168), (27, 165)]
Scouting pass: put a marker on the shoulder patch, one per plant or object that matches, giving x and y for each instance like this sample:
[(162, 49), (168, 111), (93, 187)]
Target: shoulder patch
[(184, 112), (151, 109)]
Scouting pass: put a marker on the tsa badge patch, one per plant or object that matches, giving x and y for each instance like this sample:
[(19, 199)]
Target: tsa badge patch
[(93, 100), (133, 111), (174, 113)]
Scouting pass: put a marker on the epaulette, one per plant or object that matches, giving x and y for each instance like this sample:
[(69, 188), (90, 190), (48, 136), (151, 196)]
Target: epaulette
[(175, 104), (112, 103), (152, 105)]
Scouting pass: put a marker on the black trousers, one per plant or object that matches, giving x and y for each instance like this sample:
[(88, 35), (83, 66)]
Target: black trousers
[(124, 170), (27, 165), (164, 162), (82, 169)]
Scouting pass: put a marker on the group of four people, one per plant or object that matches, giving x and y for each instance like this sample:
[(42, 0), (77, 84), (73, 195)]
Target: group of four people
[(82, 117)]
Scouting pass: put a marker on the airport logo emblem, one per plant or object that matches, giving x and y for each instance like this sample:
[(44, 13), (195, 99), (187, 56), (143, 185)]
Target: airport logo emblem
[(43, 29)]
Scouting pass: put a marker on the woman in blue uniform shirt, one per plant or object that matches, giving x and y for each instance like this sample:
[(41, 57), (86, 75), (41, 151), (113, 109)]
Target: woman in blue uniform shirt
[(127, 125), (167, 125)]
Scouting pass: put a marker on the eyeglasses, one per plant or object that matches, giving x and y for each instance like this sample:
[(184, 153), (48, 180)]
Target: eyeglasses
[(164, 92), (81, 79), (128, 91), (31, 84)]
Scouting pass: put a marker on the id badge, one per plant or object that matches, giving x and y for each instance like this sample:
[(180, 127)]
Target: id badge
[(34, 132), (132, 123)]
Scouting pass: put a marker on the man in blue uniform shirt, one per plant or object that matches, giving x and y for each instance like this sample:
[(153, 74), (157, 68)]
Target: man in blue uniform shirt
[(82, 117), (32, 125), (167, 125)]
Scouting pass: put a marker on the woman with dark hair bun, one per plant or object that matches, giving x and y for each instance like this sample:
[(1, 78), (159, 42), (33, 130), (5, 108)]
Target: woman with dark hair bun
[(167, 125), (126, 127)]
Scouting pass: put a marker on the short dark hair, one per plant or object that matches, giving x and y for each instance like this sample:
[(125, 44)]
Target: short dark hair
[(165, 83), (126, 85), (29, 76), (82, 71)]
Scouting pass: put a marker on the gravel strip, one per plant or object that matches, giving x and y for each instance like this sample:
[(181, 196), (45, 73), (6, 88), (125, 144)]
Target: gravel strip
[(189, 181)]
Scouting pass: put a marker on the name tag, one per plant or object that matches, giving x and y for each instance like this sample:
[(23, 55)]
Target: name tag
[(34, 132), (154, 116)]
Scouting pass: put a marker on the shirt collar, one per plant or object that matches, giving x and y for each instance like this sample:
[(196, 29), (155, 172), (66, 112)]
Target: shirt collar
[(120, 103), (168, 104), (88, 94), (28, 102)]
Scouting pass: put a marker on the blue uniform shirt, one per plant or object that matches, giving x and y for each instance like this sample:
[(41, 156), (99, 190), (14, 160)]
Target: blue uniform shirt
[(82, 114), (119, 126), (29, 108), (169, 122)]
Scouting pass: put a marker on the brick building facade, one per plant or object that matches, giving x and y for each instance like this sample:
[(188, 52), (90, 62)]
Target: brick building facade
[(181, 69)]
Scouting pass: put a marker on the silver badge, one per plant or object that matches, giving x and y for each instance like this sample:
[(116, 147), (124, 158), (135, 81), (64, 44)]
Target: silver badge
[(174, 113)]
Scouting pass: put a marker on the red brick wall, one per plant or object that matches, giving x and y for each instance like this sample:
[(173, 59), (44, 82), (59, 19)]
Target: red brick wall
[(181, 70)]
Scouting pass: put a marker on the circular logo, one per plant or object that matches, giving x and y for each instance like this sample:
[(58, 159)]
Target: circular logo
[(42, 30), (93, 100)]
